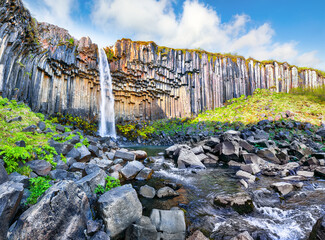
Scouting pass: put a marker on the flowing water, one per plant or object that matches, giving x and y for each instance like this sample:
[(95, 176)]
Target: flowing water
[(273, 217), (107, 115)]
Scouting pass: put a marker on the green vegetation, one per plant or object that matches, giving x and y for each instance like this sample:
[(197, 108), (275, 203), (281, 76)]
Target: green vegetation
[(302, 105), (111, 183), (38, 186), (318, 92)]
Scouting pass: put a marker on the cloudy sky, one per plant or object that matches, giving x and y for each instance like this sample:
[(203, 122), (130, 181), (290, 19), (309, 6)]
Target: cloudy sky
[(285, 30)]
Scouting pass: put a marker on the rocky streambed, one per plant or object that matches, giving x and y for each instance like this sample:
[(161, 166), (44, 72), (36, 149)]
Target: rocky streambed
[(233, 185)]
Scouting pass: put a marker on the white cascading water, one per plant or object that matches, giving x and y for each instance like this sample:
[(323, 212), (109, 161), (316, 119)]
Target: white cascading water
[(107, 115)]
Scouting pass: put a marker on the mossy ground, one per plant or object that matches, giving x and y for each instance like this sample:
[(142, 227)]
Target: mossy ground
[(303, 106)]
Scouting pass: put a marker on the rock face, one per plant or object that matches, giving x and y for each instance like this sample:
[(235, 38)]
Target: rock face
[(44, 66), (61, 214), (119, 208)]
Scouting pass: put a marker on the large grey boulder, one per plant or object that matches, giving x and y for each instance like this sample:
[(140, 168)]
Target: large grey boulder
[(228, 150), (3, 174), (318, 231), (62, 213), (127, 156), (243, 236), (40, 167), (90, 182), (187, 158), (11, 194), (74, 153), (85, 155), (63, 148), (240, 202), (18, 178), (119, 208), (169, 223), (282, 187), (131, 169), (269, 155), (143, 229)]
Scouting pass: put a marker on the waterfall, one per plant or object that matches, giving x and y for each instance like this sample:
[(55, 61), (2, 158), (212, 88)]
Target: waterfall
[(107, 115)]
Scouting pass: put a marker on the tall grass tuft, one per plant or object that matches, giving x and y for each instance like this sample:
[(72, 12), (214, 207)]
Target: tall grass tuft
[(317, 92)]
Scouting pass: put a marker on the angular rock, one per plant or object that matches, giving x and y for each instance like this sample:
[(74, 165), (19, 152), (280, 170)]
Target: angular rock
[(131, 169), (187, 158), (85, 155), (41, 125), (320, 172), (11, 194), (77, 166), (142, 229), (318, 231), (90, 182), (305, 174), (18, 178), (251, 168), (119, 208), (268, 155), (166, 192), (197, 235), (127, 156), (197, 150), (100, 236), (144, 174), (62, 213), (93, 227), (20, 143), (246, 176), (228, 151), (240, 202), (3, 174), (60, 128), (74, 153), (170, 223), (31, 128), (94, 150), (243, 236), (147, 191), (282, 187), (16, 119), (61, 148), (40, 167), (321, 132), (140, 155)]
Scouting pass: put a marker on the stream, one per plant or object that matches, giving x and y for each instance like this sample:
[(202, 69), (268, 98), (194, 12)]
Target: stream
[(273, 217)]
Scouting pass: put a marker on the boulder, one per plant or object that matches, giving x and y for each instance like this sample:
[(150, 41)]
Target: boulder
[(3, 174), (131, 169), (318, 231), (250, 168), (282, 187), (187, 158), (31, 128), (127, 156), (228, 150), (102, 163), (61, 148), (144, 174), (94, 150), (41, 125), (62, 213), (320, 172), (147, 191), (169, 223), (321, 132), (60, 128), (73, 153), (90, 182), (119, 208), (306, 174), (246, 176), (197, 150), (11, 194), (140, 155), (18, 178), (240, 202), (142, 229), (166, 192), (243, 236), (85, 155), (40, 167), (16, 119), (269, 155), (93, 227), (197, 235), (20, 143), (100, 236), (77, 166)]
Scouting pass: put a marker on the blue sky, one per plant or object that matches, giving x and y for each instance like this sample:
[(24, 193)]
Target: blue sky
[(285, 30)]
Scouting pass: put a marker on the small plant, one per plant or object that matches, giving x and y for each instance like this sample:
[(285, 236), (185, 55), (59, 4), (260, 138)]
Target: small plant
[(24, 170), (38, 186), (111, 183), (78, 145), (13, 155), (63, 158), (85, 142)]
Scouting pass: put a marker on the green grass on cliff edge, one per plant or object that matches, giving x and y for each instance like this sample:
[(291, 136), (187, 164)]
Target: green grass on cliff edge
[(303, 105)]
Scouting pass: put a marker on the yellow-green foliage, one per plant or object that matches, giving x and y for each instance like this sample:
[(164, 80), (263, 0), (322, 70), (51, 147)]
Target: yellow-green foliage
[(318, 92), (264, 104), (110, 54), (36, 143)]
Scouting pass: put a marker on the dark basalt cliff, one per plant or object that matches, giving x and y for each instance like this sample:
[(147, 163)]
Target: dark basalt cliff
[(44, 66)]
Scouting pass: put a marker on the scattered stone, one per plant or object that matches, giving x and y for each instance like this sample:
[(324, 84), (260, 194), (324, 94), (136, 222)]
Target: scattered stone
[(228, 151), (243, 236), (166, 192), (282, 187), (131, 169), (16, 119), (142, 229), (90, 182), (140, 155), (93, 227), (246, 176), (40, 167), (169, 223), (144, 174), (251, 168), (77, 166), (305, 174), (119, 208), (41, 125), (94, 150), (187, 158), (31, 128), (3, 174), (197, 235), (60, 128), (268, 155), (17, 178), (85, 155), (127, 156), (61, 148), (147, 191), (62, 213), (74, 153), (244, 183), (11, 194), (240, 202), (20, 143)]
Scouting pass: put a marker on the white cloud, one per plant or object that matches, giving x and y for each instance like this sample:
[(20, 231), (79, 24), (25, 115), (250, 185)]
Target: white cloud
[(197, 26)]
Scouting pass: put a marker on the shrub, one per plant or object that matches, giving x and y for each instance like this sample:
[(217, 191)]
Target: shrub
[(13, 155), (38, 186), (111, 183)]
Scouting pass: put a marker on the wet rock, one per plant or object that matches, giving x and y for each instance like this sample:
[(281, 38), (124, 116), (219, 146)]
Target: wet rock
[(243, 236), (240, 202), (131, 169), (40, 167), (265, 198), (228, 151), (305, 174), (93, 150), (269, 155), (197, 235), (140, 155), (251, 168), (166, 192), (18, 178), (320, 172), (11, 194), (144, 174), (62, 213), (187, 158), (246, 176), (127, 156), (318, 231), (119, 208), (244, 183), (170, 224), (282, 187), (3, 174), (31, 128), (142, 229), (147, 191), (85, 155), (294, 178)]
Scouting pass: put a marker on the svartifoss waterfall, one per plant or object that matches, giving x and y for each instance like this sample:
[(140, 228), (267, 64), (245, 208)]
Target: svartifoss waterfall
[(107, 115)]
